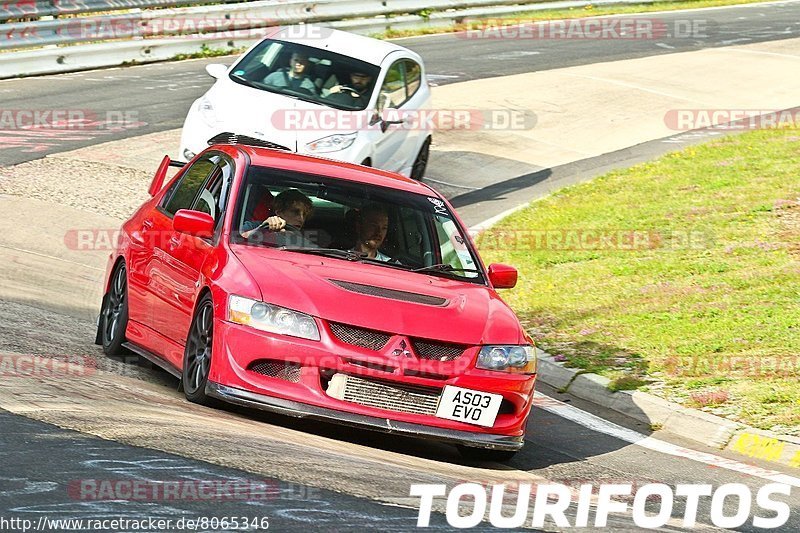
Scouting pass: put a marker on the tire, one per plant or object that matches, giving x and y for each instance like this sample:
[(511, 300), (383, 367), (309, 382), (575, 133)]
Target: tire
[(421, 162), (114, 313), (197, 355), (484, 454)]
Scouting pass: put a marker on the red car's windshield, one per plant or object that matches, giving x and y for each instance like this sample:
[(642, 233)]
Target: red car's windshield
[(355, 221)]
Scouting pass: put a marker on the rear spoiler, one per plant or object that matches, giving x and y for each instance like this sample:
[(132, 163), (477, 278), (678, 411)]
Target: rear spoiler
[(161, 174)]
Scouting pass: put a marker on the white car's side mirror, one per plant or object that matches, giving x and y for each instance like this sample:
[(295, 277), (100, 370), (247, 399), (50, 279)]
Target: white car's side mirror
[(216, 70)]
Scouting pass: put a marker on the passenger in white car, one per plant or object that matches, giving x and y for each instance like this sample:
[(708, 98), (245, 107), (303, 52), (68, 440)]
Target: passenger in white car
[(296, 78)]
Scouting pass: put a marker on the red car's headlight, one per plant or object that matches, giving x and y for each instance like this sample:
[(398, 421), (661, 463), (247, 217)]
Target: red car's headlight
[(272, 318), (514, 359)]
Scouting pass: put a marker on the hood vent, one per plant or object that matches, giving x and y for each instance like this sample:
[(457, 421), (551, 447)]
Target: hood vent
[(392, 294)]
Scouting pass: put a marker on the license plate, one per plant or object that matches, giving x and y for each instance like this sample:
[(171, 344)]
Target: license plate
[(472, 407)]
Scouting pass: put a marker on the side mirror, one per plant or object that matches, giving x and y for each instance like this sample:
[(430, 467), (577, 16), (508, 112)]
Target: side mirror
[(161, 174), (502, 276), (216, 70), (194, 223)]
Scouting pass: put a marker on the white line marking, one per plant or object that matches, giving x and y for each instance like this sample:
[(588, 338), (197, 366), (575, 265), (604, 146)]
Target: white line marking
[(50, 257), (595, 423), (428, 178)]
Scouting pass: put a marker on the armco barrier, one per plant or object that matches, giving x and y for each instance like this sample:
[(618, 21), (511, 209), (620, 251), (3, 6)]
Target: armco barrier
[(159, 34)]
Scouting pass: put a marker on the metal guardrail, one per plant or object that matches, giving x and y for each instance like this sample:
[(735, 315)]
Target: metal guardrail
[(197, 20), (27, 9), (161, 34)]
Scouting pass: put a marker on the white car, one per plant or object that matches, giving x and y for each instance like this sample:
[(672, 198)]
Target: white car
[(318, 91)]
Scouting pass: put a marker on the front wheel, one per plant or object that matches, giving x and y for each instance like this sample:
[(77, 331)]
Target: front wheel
[(197, 356), (114, 313), (421, 162)]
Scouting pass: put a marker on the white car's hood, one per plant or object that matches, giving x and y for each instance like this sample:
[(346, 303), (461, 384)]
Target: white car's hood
[(248, 111)]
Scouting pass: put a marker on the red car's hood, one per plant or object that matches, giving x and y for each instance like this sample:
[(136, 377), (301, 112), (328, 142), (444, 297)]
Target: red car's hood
[(471, 314)]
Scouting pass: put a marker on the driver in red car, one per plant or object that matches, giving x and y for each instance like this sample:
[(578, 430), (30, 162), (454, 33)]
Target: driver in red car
[(292, 209)]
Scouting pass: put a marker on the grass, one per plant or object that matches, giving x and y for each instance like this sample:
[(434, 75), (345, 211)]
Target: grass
[(557, 14), (206, 51), (705, 308)]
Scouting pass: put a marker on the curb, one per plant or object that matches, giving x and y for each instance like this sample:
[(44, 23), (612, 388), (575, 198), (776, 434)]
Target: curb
[(698, 426)]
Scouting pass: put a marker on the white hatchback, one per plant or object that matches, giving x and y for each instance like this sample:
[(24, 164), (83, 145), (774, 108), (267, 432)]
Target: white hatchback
[(318, 91)]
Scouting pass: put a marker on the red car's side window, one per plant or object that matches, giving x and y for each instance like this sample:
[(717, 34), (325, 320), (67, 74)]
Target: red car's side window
[(188, 187)]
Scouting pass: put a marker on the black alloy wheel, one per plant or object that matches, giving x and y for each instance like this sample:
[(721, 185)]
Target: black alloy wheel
[(197, 356)]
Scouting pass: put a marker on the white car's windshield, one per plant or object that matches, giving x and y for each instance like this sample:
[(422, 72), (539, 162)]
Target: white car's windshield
[(352, 221), (308, 73)]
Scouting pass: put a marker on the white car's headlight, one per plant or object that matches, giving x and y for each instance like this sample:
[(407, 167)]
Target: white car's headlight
[(515, 359), (332, 143), (207, 112), (272, 318)]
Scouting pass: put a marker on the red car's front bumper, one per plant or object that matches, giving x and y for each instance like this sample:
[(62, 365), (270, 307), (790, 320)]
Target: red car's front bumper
[(299, 388)]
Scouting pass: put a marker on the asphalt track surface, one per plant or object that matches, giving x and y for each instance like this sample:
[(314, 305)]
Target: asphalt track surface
[(161, 93), (556, 448)]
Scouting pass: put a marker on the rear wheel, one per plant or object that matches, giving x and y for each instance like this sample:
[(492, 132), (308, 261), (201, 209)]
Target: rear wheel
[(483, 454), (114, 313), (197, 356), (421, 163)]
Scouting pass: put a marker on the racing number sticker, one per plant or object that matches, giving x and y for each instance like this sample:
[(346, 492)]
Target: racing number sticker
[(438, 206)]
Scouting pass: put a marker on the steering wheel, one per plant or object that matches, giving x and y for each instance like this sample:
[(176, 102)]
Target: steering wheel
[(353, 92)]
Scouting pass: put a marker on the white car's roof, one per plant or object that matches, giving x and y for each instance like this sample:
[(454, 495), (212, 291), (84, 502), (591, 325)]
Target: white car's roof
[(342, 42)]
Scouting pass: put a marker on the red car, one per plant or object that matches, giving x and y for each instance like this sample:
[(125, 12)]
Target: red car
[(324, 290)]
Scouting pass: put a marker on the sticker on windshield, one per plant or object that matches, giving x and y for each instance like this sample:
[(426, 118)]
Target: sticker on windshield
[(438, 206), (238, 72)]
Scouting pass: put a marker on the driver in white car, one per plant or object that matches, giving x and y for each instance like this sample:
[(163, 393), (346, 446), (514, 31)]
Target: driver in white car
[(356, 94)]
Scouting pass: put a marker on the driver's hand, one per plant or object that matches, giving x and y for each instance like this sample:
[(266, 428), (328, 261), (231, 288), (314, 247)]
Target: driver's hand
[(335, 89), (274, 223)]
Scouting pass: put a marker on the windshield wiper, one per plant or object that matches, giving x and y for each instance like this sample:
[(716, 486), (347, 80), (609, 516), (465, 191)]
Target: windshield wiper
[(444, 267), (349, 255)]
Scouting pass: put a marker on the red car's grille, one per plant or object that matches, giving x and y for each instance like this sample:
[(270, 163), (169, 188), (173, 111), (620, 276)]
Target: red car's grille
[(437, 351), (399, 397), (376, 340), (365, 338), (276, 369)]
